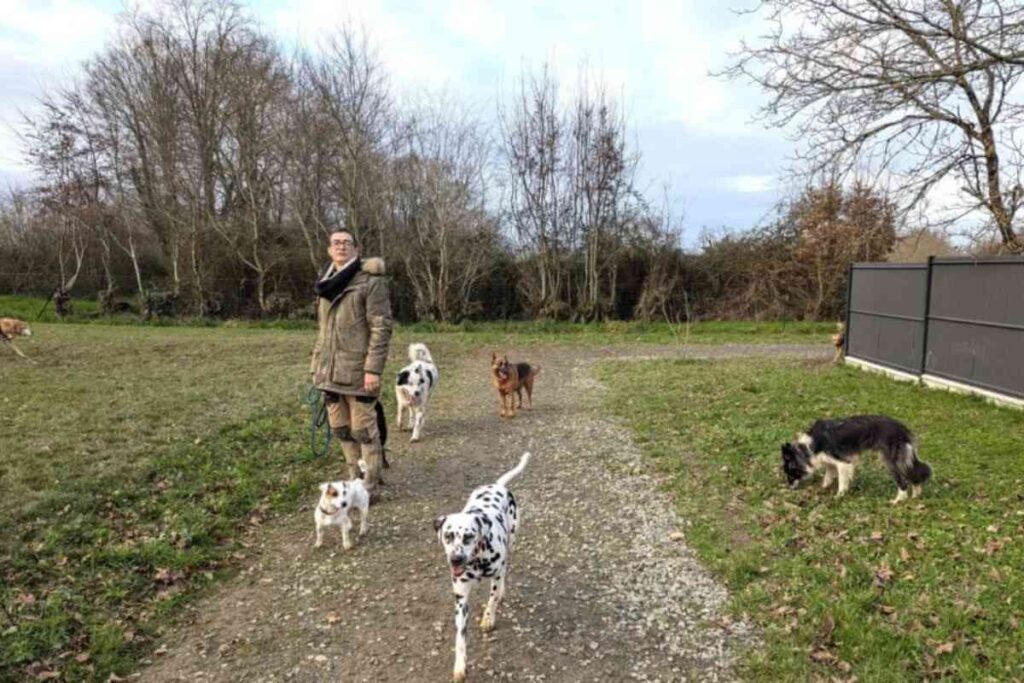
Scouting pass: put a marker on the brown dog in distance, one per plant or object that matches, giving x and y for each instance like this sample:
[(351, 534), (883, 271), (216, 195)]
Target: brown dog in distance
[(11, 328), (839, 342), (512, 378)]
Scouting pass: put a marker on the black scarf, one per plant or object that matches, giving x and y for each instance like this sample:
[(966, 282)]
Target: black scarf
[(332, 287)]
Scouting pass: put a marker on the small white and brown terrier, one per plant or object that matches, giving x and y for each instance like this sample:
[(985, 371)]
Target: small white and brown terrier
[(477, 543), (337, 501), (413, 386)]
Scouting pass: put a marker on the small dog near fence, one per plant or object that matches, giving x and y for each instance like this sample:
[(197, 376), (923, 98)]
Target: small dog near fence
[(839, 342), (835, 444), (477, 543)]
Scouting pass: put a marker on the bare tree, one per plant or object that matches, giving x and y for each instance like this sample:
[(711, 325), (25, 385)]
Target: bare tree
[(250, 162), (917, 90), (533, 132), (353, 92), (439, 200), (604, 200)]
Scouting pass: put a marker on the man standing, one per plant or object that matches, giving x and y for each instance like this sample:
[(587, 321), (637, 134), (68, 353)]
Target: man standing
[(354, 315)]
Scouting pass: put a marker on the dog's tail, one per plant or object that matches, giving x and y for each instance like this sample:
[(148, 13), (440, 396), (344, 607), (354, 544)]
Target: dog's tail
[(916, 471), (419, 351), (534, 370), (504, 479)]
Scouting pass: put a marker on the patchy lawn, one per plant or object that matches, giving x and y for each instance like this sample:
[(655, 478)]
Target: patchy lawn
[(931, 589), (135, 463), (481, 333)]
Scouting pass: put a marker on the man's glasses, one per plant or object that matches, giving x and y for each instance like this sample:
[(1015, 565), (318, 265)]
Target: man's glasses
[(342, 243)]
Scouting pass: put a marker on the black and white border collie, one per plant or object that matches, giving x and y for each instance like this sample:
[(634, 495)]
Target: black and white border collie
[(834, 445), (413, 387)]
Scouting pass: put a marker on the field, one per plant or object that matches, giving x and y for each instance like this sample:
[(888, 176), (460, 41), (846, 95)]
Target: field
[(932, 589), (137, 460), (140, 463)]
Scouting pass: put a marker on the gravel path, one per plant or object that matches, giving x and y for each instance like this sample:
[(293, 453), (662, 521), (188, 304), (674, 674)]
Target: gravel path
[(602, 585)]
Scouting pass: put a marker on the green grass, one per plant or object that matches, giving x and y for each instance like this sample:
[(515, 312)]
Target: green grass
[(29, 308), (621, 332), (135, 463), (488, 332), (136, 460), (857, 587)]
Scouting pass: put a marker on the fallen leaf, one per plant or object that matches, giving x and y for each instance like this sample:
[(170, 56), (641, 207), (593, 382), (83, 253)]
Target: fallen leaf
[(26, 599), (904, 554), (886, 609), (823, 656), (166, 575), (333, 618), (82, 658), (877, 536), (944, 649), (828, 627), (883, 575)]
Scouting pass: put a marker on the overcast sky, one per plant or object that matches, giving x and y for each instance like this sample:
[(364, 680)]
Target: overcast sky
[(695, 132)]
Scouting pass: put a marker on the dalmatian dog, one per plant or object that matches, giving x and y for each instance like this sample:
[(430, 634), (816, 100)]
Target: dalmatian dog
[(477, 543), (413, 386)]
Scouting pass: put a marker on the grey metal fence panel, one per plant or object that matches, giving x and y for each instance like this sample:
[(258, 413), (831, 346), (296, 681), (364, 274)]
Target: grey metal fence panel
[(976, 323), (887, 314), (960, 319)]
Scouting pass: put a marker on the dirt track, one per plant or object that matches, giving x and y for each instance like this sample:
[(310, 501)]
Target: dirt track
[(602, 588)]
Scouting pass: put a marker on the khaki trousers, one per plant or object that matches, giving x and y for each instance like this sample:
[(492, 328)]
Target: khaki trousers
[(353, 421)]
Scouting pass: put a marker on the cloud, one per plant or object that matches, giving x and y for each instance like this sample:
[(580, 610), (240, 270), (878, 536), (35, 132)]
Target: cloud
[(750, 184), (52, 33), (653, 55), (40, 43)]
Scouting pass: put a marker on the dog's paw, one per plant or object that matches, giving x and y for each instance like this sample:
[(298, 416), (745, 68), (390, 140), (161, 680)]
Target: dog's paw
[(458, 676), (487, 624)]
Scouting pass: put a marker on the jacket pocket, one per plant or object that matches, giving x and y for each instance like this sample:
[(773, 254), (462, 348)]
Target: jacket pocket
[(347, 369)]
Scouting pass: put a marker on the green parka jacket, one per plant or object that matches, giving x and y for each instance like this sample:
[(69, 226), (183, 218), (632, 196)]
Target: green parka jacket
[(355, 332)]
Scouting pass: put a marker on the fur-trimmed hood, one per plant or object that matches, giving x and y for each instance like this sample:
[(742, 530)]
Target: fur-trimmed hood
[(373, 265)]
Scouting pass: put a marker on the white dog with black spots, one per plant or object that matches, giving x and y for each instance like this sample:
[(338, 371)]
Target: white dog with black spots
[(413, 386), (477, 543)]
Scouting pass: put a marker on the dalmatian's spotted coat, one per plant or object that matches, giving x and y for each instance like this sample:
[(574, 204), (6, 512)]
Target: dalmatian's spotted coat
[(477, 543)]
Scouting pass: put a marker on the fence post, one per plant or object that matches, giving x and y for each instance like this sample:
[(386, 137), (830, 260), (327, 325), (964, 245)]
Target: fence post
[(849, 305), (927, 311)]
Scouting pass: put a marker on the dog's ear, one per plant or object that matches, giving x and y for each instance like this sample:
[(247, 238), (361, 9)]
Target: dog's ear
[(438, 522), (323, 487), (494, 356), (787, 451)]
